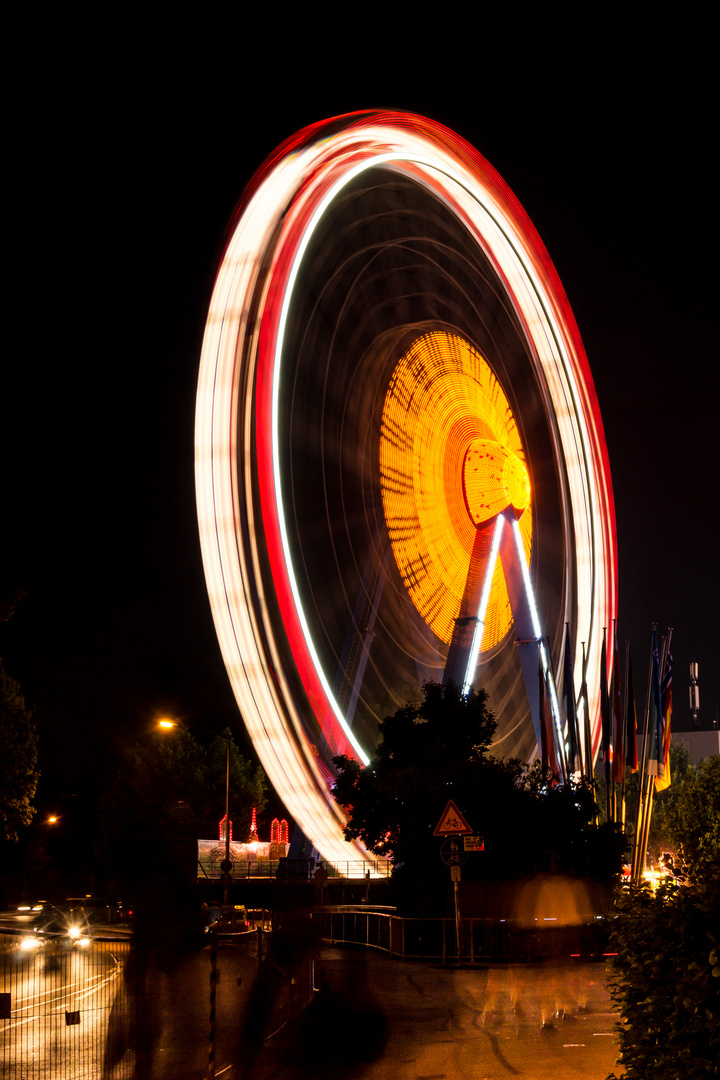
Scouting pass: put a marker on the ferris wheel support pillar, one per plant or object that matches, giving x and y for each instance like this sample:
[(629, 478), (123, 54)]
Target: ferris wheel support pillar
[(533, 652), (532, 649)]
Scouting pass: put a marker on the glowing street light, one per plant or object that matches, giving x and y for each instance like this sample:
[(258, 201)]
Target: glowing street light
[(226, 864)]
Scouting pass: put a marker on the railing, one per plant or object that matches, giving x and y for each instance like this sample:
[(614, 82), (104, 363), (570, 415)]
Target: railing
[(378, 868), (436, 939), (209, 869)]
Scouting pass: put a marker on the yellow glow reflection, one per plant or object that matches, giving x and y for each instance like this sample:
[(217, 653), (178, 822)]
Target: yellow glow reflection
[(451, 460)]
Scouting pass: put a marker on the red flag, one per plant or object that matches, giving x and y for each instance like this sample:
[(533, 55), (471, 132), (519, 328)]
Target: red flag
[(604, 703), (547, 736), (589, 756), (618, 749), (573, 736)]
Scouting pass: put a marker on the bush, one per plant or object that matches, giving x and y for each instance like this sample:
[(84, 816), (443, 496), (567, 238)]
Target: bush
[(666, 981)]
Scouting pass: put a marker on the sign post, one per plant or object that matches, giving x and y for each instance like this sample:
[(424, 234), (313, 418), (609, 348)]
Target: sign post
[(453, 825)]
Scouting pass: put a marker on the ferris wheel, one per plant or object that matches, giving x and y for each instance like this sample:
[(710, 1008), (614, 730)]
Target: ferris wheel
[(391, 375)]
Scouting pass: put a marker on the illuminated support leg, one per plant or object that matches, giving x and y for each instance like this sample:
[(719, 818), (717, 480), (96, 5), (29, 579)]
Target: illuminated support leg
[(469, 626), (527, 628)]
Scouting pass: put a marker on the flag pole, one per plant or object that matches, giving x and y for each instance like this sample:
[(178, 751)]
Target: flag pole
[(605, 711), (624, 722), (640, 811), (589, 759), (657, 667)]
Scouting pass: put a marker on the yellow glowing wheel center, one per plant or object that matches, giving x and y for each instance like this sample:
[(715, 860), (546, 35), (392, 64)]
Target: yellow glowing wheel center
[(493, 479), (451, 460)]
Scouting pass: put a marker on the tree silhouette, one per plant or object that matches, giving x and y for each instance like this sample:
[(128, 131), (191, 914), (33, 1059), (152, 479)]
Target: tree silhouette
[(18, 758), (439, 750)]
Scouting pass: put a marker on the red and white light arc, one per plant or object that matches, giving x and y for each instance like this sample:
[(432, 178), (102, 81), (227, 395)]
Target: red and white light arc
[(237, 422)]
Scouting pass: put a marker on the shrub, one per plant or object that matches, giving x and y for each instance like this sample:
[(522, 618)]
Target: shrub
[(666, 981)]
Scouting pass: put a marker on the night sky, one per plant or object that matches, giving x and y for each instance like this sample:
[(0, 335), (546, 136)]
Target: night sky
[(126, 171)]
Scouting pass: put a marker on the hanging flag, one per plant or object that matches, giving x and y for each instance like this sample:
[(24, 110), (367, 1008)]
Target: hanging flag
[(604, 703), (631, 758), (662, 782), (548, 755), (618, 748), (587, 728), (654, 755), (570, 709)]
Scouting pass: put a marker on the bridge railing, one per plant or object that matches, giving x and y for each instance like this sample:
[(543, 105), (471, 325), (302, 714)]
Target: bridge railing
[(437, 939)]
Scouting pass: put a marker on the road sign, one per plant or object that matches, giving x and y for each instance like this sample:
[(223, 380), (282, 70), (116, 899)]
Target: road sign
[(321, 875), (452, 853), (452, 822), (455, 873), (474, 843)]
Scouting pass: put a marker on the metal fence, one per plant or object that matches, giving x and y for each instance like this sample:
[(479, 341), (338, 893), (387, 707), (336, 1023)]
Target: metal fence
[(209, 868), (59, 1006), (436, 939), (106, 1012)]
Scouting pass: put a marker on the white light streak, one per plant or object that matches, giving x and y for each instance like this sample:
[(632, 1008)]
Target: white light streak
[(261, 267), (482, 608)]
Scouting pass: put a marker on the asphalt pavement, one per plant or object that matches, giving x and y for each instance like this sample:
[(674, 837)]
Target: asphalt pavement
[(376, 1018)]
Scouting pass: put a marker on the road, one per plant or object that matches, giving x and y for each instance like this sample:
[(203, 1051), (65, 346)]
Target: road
[(373, 1018), (382, 1019), (60, 1002)]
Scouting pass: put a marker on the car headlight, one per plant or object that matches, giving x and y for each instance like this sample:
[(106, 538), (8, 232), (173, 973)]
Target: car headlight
[(28, 944)]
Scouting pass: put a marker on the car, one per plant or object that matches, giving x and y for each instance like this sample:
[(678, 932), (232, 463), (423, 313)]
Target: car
[(96, 908), (69, 924)]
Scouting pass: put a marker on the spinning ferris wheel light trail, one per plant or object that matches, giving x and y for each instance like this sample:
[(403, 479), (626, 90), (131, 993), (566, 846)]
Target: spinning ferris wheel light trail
[(400, 463)]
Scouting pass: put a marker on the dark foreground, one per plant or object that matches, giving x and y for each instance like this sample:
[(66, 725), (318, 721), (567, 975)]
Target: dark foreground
[(382, 1019)]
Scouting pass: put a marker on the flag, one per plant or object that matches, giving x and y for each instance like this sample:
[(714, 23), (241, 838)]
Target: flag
[(662, 782), (604, 702), (654, 755), (569, 707), (631, 758), (548, 755), (587, 726), (618, 749)]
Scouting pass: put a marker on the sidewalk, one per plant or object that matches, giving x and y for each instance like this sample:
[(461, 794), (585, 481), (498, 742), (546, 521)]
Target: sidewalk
[(382, 1019)]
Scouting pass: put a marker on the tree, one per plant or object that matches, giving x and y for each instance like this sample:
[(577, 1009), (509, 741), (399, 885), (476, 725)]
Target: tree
[(665, 980), (18, 760), (666, 976), (395, 803), (692, 820), (659, 837), (438, 750), (170, 794)]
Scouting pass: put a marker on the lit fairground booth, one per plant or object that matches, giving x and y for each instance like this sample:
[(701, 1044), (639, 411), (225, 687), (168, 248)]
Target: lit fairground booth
[(400, 462)]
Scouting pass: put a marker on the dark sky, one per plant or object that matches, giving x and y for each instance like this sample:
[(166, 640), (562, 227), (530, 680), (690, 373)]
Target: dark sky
[(126, 171)]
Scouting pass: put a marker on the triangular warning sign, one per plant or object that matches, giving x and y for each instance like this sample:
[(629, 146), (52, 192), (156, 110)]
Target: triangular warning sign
[(451, 822)]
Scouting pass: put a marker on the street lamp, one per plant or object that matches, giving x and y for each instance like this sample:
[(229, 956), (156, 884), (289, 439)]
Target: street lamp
[(226, 864)]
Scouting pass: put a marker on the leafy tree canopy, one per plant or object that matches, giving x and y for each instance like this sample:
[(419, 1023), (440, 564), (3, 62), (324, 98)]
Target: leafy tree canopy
[(666, 976), (170, 794), (18, 759), (438, 750), (692, 820), (665, 980)]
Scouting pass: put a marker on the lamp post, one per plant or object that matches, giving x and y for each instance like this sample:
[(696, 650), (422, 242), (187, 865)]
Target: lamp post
[(226, 864)]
